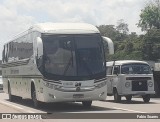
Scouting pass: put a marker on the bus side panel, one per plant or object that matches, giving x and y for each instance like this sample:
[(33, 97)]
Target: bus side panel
[(5, 85), (40, 89)]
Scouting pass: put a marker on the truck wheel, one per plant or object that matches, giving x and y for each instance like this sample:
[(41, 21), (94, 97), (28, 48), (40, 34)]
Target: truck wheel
[(117, 97), (36, 103), (146, 98), (128, 98), (87, 104)]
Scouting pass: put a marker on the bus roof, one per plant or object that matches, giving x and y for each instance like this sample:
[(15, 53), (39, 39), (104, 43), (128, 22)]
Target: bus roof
[(65, 28), (121, 62), (59, 28)]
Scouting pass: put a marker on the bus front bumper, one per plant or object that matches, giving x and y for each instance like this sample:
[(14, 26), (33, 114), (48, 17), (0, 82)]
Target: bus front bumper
[(60, 96)]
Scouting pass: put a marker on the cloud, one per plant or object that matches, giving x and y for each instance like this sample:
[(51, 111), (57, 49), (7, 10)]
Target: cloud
[(11, 24), (18, 15)]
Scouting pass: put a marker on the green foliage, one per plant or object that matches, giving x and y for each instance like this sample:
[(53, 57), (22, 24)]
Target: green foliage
[(134, 47), (143, 47), (150, 16), (122, 27), (151, 48), (121, 55), (128, 47), (109, 31)]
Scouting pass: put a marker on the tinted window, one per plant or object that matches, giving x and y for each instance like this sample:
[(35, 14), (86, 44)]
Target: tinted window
[(20, 48), (73, 56), (90, 54), (136, 69), (59, 55)]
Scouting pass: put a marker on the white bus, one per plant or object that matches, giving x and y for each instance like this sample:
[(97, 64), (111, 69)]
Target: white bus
[(56, 62), (129, 78)]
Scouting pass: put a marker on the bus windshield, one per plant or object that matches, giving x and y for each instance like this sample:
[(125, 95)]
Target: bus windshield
[(135, 69), (73, 57)]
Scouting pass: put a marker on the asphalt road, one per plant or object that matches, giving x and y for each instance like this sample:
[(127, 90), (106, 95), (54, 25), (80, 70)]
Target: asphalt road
[(98, 108)]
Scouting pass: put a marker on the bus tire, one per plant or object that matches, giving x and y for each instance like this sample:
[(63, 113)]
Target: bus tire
[(146, 98), (87, 104), (36, 103), (128, 98), (117, 97)]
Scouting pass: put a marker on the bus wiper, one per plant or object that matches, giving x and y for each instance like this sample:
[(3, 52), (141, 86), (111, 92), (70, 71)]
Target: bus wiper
[(70, 62)]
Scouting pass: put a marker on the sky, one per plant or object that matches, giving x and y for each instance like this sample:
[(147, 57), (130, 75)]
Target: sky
[(18, 15)]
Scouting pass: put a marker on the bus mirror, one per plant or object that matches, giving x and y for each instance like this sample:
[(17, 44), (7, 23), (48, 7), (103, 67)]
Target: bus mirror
[(110, 44), (39, 47)]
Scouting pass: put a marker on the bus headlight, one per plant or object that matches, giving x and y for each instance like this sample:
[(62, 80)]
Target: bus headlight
[(52, 86), (48, 85), (100, 84), (150, 84), (127, 84), (56, 87)]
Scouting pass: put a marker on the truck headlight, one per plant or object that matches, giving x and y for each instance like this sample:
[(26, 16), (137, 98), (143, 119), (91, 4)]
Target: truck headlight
[(127, 84), (150, 84)]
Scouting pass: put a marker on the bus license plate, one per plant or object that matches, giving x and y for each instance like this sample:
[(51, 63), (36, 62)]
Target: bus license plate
[(78, 95)]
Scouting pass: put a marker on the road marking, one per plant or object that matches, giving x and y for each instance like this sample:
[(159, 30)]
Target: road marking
[(129, 110), (6, 103), (15, 106), (28, 111)]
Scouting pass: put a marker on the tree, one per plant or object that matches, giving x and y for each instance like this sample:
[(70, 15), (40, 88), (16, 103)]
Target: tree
[(128, 47), (123, 30), (151, 45), (108, 31), (150, 22), (122, 27), (150, 16)]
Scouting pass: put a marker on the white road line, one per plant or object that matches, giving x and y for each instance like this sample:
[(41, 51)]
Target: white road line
[(6, 103), (28, 111), (129, 110), (17, 107)]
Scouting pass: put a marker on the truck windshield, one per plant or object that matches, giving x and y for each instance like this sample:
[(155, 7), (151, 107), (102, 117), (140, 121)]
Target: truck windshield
[(73, 57), (135, 69)]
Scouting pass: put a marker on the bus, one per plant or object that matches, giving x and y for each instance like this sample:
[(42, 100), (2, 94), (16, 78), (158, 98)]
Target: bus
[(56, 62), (129, 78)]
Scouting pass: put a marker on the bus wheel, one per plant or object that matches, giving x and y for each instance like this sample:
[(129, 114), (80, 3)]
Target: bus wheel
[(146, 98), (36, 103), (128, 98), (11, 97), (117, 97), (87, 104)]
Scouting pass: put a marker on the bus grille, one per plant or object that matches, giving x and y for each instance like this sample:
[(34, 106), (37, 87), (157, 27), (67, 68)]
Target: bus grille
[(139, 86)]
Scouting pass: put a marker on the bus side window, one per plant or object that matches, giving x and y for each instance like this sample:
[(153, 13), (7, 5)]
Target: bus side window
[(116, 70)]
